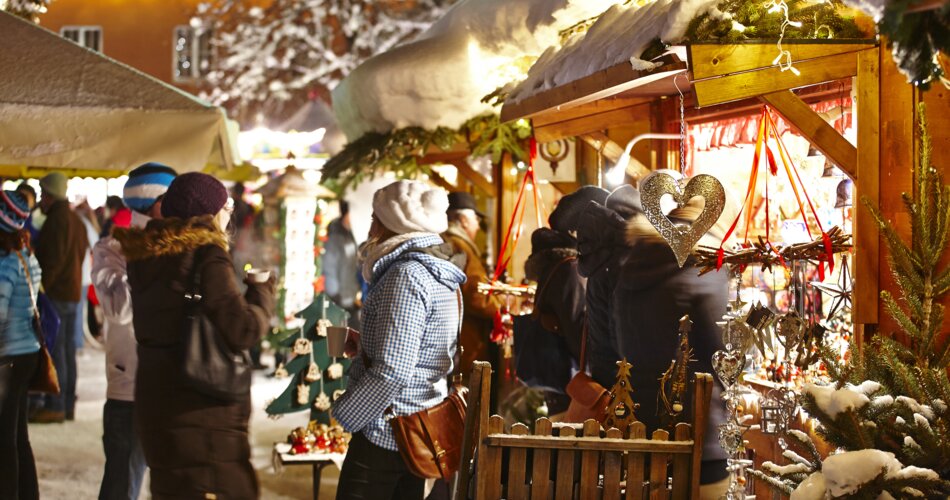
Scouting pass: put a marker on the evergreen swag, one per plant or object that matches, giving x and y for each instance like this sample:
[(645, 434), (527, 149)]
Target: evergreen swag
[(399, 151), (893, 396), (917, 39), (737, 20)]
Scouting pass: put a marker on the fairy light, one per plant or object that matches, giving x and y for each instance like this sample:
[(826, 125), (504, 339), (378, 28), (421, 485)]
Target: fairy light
[(784, 58)]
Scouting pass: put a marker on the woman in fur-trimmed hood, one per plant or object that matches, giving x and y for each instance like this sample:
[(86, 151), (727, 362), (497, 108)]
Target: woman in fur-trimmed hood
[(196, 446)]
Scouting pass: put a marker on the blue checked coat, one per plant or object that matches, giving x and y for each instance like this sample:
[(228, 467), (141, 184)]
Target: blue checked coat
[(410, 324)]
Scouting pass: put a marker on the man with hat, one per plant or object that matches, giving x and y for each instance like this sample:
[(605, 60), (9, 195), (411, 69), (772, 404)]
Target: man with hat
[(480, 309), (125, 462), (61, 249)]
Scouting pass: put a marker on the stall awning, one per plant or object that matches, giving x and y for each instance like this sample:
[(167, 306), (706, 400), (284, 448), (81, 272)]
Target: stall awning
[(66, 107)]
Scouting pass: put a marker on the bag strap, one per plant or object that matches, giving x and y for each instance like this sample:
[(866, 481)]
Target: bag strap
[(583, 366), (457, 375), (29, 284)]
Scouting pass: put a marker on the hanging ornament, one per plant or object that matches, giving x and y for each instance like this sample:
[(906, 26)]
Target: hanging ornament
[(622, 408), (673, 383), (280, 372), (841, 292), (790, 329), (322, 325), (728, 366), (303, 394), (337, 394), (682, 239), (313, 373), (303, 347), (335, 370), (322, 403), (777, 410)]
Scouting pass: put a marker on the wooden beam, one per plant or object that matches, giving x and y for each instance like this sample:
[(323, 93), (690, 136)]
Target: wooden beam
[(823, 136), (477, 179), (440, 181), (600, 85), (445, 157), (589, 109), (613, 152), (740, 86), (566, 187), (866, 236), (711, 60), (581, 124)]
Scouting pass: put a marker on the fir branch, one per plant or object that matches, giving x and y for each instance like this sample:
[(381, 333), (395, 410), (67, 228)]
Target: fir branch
[(777, 484)]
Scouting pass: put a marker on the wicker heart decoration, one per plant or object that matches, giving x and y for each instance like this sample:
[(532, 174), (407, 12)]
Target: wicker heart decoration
[(682, 238)]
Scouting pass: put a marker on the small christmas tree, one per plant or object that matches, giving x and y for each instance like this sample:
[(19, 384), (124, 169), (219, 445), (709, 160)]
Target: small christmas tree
[(888, 410), (312, 388), (621, 411)]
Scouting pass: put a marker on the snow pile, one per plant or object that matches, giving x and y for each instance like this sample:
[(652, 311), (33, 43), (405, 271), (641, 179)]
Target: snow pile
[(620, 34), (873, 8), (812, 488), (850, 397), (440, 78), (846, 472), (785, 469)]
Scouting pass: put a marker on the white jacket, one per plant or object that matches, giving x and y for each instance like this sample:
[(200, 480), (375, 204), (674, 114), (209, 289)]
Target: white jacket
[(112, 288)]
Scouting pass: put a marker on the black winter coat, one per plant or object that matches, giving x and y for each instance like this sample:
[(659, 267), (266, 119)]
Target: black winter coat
[(651, 297), (194, 445), (561, 289)]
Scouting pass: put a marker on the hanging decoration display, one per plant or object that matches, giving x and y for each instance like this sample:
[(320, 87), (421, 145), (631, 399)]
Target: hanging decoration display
[(313, 373), (674, 382), (682, 239)]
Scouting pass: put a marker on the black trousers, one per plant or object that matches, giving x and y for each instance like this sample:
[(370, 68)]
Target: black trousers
[(371, 472), (17, 468)]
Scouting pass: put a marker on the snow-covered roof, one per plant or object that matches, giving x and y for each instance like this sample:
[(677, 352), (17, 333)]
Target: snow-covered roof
[(620, 34), (64, 106), (440, 78)]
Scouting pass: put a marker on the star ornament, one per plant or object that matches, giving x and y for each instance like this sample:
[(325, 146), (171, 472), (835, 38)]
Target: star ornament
[(840, 292)]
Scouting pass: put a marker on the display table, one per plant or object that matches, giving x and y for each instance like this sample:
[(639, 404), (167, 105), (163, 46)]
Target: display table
[(317, 461)]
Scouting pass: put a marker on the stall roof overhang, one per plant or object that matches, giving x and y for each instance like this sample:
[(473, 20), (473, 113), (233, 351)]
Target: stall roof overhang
[(66, 107)]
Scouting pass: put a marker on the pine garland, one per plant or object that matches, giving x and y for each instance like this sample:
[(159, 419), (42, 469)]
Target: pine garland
[(917, 39), (399, 151), (738, 20)]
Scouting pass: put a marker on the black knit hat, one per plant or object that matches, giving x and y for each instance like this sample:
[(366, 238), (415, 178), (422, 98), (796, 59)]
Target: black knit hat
[(565, 216), (192, 195)]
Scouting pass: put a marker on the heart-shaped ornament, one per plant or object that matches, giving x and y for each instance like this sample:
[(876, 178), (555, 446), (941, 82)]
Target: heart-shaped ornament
[(728, 366), (682, 238), (730, 436)]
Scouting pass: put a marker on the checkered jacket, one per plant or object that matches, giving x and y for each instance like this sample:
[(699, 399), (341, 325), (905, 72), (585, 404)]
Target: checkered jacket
[(410, 324)]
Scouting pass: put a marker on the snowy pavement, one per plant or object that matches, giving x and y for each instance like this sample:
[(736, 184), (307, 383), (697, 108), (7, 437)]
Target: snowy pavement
[(69, 457)]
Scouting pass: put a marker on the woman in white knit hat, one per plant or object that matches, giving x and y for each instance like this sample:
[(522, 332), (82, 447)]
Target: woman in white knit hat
[(410, 324)]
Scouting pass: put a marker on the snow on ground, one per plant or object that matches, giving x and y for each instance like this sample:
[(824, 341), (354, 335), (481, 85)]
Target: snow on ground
[(69, 456), (440, 78)]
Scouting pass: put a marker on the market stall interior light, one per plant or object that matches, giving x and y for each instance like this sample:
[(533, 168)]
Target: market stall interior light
[(616, 174)]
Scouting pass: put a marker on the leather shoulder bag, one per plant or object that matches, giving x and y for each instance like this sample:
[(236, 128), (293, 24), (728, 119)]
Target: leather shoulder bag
[(45, 379), (210, 365), (588, 398), (430, 440)]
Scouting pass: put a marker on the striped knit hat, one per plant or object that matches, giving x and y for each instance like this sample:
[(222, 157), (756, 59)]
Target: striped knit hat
[(146, 183), (13, 211)]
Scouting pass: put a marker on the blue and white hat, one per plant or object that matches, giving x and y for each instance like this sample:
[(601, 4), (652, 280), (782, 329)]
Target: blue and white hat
[(13, 211), (146, 184)]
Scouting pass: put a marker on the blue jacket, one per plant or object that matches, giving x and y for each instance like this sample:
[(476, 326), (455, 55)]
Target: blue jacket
[(410, 325), (16, 307)]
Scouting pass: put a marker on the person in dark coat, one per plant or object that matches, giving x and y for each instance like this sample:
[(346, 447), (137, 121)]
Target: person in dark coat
[(195, 446), (652, 294), (340, 265), (603, 249)]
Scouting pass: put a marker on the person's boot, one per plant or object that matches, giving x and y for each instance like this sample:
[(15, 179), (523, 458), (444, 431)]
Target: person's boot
[(45, 416)]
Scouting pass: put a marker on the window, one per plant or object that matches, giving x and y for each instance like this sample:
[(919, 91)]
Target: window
[(87, 36), (191, 53)]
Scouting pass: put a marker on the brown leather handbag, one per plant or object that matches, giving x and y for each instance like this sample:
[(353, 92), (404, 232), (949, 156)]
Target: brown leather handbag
[(588, 398), (430, 441), (45, 378)]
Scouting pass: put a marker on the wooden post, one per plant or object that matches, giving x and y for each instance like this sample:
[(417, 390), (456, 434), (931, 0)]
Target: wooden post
[(866, 241)]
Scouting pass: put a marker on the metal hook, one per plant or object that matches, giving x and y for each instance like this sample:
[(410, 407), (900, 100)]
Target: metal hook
[(677, 85)]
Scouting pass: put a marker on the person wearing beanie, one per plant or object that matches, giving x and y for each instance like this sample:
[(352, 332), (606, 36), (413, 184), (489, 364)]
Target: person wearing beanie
[(196, 446), (403, 356), (480, 309), (652, 294), (567, 213), (559, 307), (125, 462), (61, 249), (19, 347)]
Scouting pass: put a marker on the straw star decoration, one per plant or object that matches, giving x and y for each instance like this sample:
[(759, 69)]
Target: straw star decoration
[(840, 292)]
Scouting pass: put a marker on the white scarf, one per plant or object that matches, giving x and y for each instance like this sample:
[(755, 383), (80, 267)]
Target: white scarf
[(373, 251)]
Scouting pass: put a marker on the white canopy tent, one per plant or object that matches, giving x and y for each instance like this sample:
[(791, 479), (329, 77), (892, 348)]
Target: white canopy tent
[(65, 107)]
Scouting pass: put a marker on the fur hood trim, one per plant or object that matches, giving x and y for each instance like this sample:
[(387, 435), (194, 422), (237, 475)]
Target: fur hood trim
[(170, 236), (541, 263)]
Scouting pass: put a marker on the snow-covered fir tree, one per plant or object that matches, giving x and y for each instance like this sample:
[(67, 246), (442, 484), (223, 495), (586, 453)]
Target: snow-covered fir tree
[(887, 412), (269, 59)]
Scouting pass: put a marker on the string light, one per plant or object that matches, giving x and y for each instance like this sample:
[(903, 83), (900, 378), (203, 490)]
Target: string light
[(784, 58)]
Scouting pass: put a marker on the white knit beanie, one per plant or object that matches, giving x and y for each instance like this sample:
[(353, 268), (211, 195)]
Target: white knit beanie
[(412, 206)]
